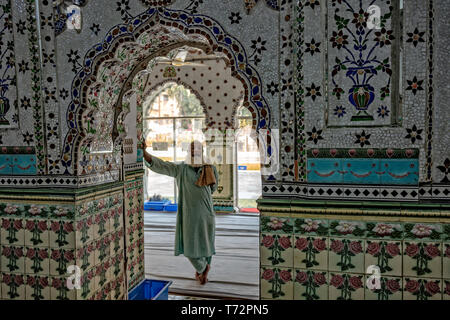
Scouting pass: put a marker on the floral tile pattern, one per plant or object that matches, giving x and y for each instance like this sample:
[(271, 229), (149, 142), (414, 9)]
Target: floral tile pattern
[(350, 229), (378, 230), (422, 259), (348, 252), (313, 227), (276, 225), (310, 285), (276, 249), (277, 283), (346, 255), (346, 286), (422, 289), (389, 289), (423, 231), (311, 252), (386, 255)]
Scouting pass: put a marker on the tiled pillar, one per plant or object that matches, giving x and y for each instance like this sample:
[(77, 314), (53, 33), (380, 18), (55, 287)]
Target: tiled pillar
[(318, 251)]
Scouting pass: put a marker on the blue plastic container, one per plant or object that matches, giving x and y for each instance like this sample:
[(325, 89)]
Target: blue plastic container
[(150, 290), (171, 207), (155, 205)]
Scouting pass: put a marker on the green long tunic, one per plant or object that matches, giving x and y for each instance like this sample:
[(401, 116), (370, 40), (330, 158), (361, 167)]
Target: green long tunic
[(196, 224)]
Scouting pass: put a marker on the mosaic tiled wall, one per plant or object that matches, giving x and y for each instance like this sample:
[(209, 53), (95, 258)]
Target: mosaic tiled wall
[(39, 241), (134, 229), (327, 256)]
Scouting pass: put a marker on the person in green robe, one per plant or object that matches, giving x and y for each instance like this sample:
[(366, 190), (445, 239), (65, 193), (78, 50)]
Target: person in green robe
[(195, 224)]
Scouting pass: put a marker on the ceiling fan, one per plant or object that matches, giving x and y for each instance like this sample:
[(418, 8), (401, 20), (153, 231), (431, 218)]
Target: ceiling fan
[(179, 60)]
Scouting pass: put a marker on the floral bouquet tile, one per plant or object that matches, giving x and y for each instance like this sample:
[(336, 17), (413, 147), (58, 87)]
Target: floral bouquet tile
[(12, 259), (313, 227), (60, 260), (382, 230), (346, 286), (13, 286), (422, 289), (276, 249), (350, 229), (62, 234), (311, 252), (422, 259), (386, 255), (59, 289), (386, 288), (37, 232), (37, 287), (277, 283), (310, 285), (12, 231), (276, 225), (346, 255), (37, 261), (423, 231)]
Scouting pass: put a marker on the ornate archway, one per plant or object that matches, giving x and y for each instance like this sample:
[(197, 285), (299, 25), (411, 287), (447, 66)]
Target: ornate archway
[(110, 67)]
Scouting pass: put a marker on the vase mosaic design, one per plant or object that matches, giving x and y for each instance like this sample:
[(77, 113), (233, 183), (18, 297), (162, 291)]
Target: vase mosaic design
[(360, 59)]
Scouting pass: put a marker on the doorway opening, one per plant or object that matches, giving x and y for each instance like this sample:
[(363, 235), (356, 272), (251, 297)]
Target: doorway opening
[(248, 168), (171, 120)]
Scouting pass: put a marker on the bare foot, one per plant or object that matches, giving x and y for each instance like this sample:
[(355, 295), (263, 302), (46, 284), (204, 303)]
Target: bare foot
[(204, 275)]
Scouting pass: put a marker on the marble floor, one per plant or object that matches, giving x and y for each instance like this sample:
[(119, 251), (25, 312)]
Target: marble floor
[(234, 270)]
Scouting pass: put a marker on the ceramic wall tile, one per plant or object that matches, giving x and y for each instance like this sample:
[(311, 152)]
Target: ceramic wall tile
[(422, 259), (387, 255), (383, 230), (311, 252), (60, 260), (275, 249), (62, 234), (346, 255), (313, 227), (390, 288), (12, 259), (37, 261), (310, 285), (422, 289), (37, 232), (346, 286), (350, 229), (13, 286), (59, 289), (276, 225), (446, 290), (277, 283), (13, 232), (446, 261), (37, 288), (422, 231)]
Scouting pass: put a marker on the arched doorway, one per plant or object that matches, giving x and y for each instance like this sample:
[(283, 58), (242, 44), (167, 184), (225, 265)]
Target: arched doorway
[(106, 90)]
